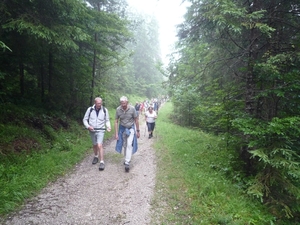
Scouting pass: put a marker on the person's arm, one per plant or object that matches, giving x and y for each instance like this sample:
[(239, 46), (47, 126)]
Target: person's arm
[(116, 129), (137, 126), (86, 118), (107, 121)]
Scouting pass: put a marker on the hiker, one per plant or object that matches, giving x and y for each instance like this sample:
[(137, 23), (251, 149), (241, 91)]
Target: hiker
[(155, 105), (141, 108), (127, 131), (96, 120), (146, 105), (137, 108), (150, 117)]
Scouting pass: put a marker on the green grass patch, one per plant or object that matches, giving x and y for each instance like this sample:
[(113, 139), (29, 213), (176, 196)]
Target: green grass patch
[(30, 158), (192, 182)]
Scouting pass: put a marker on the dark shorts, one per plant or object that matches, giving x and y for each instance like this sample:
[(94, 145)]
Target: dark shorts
[(150, 126)]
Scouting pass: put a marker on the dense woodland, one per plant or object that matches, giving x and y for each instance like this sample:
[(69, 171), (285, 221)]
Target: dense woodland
[(235, 72), (76, 50)]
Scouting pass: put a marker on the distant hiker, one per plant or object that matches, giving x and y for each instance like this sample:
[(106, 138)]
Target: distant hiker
[(155, 105), (96, 120), (141, 108), (127, 131), (150, 117), (137, 108), (146, 105)]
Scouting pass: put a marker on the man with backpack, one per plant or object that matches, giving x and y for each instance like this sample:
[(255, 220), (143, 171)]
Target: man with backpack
[(96, 120)]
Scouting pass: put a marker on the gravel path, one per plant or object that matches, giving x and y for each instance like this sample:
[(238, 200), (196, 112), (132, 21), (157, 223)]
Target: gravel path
[(89, 196)]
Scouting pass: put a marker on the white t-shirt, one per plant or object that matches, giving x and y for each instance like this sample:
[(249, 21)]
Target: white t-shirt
[(150, 117)]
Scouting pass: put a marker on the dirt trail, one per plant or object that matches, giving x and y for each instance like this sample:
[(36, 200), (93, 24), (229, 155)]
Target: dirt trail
[(89, 196)]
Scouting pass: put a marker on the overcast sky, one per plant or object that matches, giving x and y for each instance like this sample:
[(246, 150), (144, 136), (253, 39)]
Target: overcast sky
[(169, 13)]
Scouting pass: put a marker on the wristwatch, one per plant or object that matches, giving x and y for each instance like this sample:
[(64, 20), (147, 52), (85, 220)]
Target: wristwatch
[(138, 130)]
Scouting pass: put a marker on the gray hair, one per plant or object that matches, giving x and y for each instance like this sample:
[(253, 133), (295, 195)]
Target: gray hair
[(98, 99), (123, 99)]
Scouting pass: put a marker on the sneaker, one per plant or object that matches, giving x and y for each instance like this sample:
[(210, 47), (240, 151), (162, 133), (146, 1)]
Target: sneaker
[(126, 167), (95, 160), (102, 166), (126, 163)]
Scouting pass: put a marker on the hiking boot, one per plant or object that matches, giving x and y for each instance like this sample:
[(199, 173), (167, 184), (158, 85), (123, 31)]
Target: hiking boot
[(102, 166), (95, 160), (149, 136), (126, 167)]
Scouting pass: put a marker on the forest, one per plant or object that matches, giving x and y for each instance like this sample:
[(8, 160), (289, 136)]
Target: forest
[(74, 50), (235, 73)]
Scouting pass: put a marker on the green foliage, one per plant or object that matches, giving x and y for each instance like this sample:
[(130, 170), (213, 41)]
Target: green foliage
[(145, 75), (185, 99), (4, 46), (275, 147), (195, 179), (278, 77), (23, 174), (242, 65), (35, 149), (57, 51), (70, 53)]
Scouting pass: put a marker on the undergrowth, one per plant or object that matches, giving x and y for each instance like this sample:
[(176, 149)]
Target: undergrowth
[(36, 149), (193, 180)]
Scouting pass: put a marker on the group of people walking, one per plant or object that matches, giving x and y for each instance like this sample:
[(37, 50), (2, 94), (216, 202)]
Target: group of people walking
[(127, 128), (143, 107)]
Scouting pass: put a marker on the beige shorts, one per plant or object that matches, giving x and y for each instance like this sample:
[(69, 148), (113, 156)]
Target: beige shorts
[(97, 137)]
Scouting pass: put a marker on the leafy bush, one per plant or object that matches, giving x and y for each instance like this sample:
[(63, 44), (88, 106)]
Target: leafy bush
[(275, 148)]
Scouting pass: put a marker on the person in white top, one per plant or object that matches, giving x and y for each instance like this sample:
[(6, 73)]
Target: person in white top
[(150, 117), (96, 120)]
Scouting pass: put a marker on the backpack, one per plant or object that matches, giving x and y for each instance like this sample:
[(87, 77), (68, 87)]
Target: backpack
[(91, 109)]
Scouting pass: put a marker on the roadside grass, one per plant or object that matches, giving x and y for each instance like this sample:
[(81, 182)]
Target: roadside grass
[(193, 186), (43, 156)]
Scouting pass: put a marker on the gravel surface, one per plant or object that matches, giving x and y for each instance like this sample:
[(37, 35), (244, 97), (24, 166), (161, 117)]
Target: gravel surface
[(89, 196)]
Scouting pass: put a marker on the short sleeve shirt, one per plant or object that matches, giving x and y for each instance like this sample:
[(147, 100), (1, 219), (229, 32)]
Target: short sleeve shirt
[(126, 117), (150, 116)]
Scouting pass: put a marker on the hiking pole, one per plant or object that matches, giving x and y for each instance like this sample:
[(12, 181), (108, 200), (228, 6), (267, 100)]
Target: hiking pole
[(145, 130)]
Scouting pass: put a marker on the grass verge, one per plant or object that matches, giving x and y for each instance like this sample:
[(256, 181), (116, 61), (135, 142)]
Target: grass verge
[(30, 158), (192, 186)]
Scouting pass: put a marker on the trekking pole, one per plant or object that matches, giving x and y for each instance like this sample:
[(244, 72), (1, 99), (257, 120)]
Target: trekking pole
[(145, 130)]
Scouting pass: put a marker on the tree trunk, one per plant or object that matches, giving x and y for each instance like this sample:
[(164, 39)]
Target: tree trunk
[(21, 73), (250, 79), (94, 65), (50, 71), (94, 73), (42, 72), (250, 89)]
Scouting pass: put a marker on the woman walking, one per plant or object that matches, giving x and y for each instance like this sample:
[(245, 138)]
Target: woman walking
[(150, 117)]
